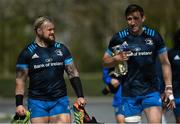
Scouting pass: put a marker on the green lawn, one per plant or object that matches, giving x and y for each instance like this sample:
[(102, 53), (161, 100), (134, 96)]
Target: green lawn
[(7, 87), (92, 86)]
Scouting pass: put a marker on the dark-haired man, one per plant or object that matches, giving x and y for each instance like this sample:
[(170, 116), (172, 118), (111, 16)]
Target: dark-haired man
[(139, 90)]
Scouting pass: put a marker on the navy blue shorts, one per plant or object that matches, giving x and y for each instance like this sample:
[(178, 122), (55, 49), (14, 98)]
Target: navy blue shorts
[(42, 108), (132, 106)]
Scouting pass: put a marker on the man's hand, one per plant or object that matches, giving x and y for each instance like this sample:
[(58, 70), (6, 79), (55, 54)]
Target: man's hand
[(122, 56), (20, 110), (115, 82), (81, 101), (169, 98)]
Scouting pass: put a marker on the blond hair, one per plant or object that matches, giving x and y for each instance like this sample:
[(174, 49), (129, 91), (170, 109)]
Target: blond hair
[(40, 20)]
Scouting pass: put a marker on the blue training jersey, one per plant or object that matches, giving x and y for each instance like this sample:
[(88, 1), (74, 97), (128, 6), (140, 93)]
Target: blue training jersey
[(45, 69), (174, 58), (141, 78)]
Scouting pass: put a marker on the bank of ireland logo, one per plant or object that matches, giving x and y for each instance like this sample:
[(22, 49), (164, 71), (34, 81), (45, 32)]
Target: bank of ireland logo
[(59, 52), (48, 60), (149, 41)]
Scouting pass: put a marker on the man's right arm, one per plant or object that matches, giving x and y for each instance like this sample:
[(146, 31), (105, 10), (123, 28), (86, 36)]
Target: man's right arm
[(21, 76), (112, 61)]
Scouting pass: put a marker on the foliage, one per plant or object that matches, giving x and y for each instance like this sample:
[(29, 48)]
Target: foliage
[(85, 26)]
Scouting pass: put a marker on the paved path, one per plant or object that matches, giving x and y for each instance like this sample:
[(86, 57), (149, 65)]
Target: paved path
[(100, 107)]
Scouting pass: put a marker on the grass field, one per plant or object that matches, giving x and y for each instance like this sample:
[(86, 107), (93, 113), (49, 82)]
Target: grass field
[(92, 85)]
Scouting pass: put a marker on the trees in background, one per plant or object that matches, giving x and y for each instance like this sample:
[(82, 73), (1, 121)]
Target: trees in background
[(86, 26)]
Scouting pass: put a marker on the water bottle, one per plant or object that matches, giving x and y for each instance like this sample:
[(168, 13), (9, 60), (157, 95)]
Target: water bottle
[(122, 67)]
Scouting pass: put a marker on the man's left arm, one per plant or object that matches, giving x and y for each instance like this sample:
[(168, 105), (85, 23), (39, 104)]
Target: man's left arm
[(167, 75), (75, 82)]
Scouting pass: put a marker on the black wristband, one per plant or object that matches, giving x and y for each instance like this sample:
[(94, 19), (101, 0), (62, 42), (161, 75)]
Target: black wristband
[(19, 99), (112, 88), (105, 91), (77, 86)]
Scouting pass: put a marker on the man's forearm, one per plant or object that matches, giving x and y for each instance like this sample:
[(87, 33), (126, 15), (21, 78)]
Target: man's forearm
[(167, 74), (19, 87), (19, 92), (110, 62), (77, 86)]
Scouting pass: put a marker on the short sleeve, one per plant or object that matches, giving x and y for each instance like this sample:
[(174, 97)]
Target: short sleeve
[(23, 60), (160, 45), (67, 55)]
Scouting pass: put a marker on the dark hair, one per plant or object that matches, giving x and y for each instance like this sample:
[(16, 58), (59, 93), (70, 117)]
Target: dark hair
[(40, 20), (177, 39), (134, 8)]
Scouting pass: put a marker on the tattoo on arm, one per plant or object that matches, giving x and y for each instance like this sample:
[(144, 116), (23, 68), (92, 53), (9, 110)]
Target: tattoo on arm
[(71, 70), (22, 74)]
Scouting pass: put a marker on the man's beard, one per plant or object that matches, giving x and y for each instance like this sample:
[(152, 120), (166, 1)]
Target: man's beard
[(47, 40)]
